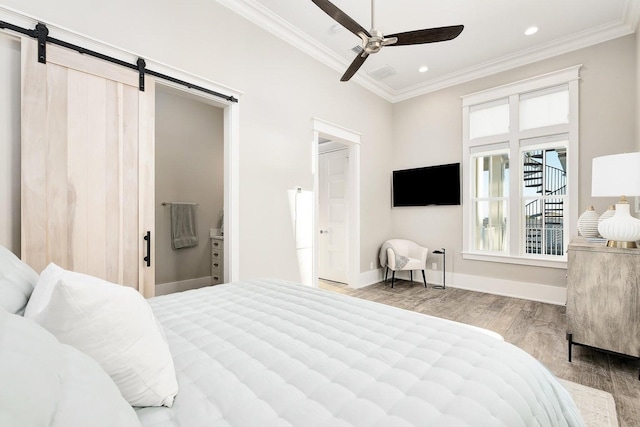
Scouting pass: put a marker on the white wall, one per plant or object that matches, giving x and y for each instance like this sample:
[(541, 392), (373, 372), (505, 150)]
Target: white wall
[(10, 143), (189, 168), (283, 90), (428, 131)]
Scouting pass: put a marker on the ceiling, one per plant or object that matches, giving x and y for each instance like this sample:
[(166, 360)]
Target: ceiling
[(493, 39)]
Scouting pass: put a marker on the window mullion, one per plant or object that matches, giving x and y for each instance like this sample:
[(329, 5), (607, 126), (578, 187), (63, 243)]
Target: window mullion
[(515, 177)]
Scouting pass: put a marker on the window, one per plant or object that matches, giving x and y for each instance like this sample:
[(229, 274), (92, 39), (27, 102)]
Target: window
[(543, 198), (544, 107), (489, 119), (520, 171), (489, 199)]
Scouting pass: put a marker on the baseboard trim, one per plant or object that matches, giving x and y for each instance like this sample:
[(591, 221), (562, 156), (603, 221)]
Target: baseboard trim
[(182, 285), (368, 278), (556, 295), (525, 290)]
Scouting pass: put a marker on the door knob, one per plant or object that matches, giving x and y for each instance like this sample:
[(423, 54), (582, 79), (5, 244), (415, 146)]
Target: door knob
[(324, 231)]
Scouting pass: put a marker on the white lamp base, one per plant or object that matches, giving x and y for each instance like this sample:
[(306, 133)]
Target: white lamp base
[(621, 230)]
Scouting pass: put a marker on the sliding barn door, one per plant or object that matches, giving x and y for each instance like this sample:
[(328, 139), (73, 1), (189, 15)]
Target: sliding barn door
[(87, 167)]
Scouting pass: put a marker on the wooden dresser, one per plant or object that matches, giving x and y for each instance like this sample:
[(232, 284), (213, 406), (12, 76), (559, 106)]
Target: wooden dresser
[(603, 298)]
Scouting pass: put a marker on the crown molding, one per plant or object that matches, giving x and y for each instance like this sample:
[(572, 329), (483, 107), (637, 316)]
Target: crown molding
[(264, 18), (269, 21), (631, 14), (558, 47)]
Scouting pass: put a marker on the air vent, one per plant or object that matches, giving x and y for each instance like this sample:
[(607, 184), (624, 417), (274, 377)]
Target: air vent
[(357, 49), (382, 72)]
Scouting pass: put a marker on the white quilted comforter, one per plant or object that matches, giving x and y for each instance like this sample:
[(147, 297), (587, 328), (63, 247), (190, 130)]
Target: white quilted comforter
[(269, 353)]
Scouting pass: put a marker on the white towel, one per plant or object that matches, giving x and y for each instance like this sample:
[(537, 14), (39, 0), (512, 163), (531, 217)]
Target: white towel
[(184, 229)]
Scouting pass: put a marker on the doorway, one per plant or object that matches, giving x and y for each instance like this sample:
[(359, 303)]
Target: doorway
[(333, 206), (189, 168), (336, 240)]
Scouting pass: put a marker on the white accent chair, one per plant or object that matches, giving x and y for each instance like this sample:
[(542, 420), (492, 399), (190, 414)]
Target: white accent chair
[(416, 254)]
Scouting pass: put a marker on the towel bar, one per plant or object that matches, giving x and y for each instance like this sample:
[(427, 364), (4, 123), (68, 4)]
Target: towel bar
[(170, 203)]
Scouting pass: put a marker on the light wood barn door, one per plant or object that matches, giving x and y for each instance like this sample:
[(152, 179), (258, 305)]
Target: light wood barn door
[(87, 167)]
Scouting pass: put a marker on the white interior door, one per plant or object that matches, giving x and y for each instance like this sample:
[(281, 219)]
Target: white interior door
[(87, 166), (332, 216)]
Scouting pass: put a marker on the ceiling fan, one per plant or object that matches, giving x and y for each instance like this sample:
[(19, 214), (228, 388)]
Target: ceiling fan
[(374, 40)]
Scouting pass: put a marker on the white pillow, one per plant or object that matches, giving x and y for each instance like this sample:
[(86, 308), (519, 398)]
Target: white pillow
[(17, 280), (113, 324), (48, 384)]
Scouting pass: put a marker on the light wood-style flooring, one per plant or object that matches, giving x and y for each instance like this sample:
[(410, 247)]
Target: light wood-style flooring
[(536, 327)]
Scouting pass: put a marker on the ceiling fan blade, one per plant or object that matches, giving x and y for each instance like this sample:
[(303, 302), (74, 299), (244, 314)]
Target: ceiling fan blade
[(341, 17), (355, 65), (430, 35)]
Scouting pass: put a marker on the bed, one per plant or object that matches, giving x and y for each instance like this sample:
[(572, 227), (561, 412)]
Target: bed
[(271, 353)]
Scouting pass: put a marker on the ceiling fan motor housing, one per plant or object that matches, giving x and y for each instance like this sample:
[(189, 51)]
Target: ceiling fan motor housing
[(373, 44)]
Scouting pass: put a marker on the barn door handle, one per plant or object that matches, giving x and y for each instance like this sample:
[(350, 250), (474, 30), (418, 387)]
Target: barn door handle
[(147, 259)]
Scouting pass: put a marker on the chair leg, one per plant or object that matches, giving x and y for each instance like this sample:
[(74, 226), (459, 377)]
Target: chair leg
[(386, 274), (424, 278), (393, 277), (411, 275)]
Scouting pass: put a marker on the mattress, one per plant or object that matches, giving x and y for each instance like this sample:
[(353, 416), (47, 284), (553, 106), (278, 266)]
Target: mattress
[(271, 353)]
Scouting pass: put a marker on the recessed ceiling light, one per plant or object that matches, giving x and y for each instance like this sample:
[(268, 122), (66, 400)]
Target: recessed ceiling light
[(423, 69), (531, 30)]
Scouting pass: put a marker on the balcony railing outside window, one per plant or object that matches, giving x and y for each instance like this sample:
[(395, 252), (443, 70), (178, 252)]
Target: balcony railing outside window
[(544, 191)]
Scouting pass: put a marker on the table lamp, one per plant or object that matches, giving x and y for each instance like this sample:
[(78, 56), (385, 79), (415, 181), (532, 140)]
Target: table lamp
[(613, 176)]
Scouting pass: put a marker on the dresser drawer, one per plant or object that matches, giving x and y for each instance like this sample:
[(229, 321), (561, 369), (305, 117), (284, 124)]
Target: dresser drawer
[(217, 260)]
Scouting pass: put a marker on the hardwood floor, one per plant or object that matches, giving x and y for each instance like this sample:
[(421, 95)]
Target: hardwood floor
[(536, 327)]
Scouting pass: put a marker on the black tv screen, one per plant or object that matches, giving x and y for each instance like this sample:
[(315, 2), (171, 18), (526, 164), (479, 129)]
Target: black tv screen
[(432, 185)]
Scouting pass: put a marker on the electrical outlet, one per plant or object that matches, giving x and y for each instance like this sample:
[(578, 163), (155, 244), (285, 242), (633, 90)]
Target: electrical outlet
[(371, 266), (434, 265)]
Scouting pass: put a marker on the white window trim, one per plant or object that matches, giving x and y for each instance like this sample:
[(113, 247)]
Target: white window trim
[(569, 76), (554, 78)]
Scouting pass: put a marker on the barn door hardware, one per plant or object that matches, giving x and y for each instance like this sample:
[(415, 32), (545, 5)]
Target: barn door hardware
[(41, 32), (141, 67)]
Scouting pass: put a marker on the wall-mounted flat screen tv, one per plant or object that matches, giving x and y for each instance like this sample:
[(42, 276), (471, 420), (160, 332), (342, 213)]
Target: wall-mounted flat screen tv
[(432, 185)]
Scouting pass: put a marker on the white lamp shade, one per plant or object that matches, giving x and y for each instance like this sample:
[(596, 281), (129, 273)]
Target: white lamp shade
[(616, 175)]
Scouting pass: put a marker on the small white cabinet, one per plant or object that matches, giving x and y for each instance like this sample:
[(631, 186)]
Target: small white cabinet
[(217, 260)]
